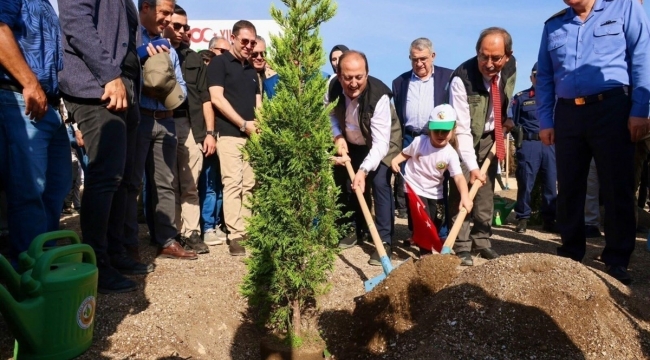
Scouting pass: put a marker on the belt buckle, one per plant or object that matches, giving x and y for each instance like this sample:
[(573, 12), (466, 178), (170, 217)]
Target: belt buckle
[(159, 111), (580, 101)]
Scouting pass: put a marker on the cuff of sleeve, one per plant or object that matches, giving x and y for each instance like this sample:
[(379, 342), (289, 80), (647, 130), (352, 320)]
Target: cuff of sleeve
[(109, 76), (640, 110), (546, 124), (336, 132)]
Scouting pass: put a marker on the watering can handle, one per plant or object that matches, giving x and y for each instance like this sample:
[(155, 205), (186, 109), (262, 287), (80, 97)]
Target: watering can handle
[(47, 259), (36, 247)]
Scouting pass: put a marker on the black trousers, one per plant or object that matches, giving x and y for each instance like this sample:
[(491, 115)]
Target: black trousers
[(109, 139), (597, 130), (378, 182)]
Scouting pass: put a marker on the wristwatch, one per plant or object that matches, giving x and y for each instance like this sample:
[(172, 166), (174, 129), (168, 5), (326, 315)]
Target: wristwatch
[(243, 127), (211, 132)]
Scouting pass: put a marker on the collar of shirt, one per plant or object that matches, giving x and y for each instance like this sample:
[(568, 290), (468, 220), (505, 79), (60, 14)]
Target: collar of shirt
[(598, 6), (487, 82), (414, 77)]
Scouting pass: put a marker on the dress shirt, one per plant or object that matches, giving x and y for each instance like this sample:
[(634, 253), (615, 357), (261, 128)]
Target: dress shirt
[(419, 101), (609, 49), (380, 125), (458, 99), (36, 29), (153, 104)]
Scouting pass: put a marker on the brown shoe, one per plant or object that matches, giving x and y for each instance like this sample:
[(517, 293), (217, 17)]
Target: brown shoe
[(176, 251), (235, 248)]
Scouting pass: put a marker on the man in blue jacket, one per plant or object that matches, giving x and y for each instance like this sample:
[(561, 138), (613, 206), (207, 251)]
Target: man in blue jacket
[(100, 87)]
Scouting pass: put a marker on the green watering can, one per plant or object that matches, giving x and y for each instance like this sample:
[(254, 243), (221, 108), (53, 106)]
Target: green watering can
[(50, 309), (27, 259), (502, 209)]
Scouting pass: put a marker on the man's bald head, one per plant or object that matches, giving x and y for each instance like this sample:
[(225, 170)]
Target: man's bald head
[(353, 73)]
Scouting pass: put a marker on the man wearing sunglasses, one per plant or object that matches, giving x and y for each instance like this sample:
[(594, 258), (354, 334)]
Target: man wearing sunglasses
[(194, 121), (234, 91), (219, 45), (480, 91), (267, 77)]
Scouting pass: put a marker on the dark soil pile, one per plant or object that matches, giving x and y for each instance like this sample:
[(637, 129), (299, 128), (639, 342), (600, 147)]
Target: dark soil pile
[(526, 306)]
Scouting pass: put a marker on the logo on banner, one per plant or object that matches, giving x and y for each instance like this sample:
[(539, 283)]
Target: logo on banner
[(198, 35)]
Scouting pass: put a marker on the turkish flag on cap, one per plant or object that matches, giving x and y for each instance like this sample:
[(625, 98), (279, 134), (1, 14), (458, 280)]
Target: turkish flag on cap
[(425, 234)]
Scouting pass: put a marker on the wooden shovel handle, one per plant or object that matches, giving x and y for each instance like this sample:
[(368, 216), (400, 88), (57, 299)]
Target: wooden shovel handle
[(453, 233), (366, 214)]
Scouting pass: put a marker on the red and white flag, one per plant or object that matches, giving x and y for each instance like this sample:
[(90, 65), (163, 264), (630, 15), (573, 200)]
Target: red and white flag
[(425, 234)]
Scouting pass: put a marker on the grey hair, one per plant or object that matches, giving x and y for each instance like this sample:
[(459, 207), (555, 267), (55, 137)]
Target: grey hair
[(260, 38), (422, 44), (152, 3), (213, 41)]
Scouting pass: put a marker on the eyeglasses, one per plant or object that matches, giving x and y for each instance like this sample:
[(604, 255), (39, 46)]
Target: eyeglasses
[(247, 42), (179, 26), (261, 54), (420, 59), (220, 50), (495, 59)]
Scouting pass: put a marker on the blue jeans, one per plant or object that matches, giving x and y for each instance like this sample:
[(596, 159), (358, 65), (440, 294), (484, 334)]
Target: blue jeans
[(35, 170), (210, 193)]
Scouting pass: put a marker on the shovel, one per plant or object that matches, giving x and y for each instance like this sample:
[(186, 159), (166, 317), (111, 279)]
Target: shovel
[(385, 260), (453, 233)]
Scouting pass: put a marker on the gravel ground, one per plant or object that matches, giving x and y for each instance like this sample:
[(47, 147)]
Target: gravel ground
[(527, 305)]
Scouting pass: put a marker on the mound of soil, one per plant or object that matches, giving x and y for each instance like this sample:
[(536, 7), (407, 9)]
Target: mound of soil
[(524, 306)]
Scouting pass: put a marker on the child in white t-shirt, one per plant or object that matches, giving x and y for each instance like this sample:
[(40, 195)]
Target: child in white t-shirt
[(427, 159)]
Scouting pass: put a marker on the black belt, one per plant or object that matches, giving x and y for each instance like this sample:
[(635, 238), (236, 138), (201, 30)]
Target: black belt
[(409, 130), (54, 101), (531, 136), (584, 100), (180, 113), (157, 114)]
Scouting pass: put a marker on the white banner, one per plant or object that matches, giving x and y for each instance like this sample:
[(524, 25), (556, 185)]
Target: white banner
[(203, 30)]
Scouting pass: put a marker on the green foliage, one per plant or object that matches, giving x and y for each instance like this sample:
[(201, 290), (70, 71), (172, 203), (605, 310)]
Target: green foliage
[(292, 234)]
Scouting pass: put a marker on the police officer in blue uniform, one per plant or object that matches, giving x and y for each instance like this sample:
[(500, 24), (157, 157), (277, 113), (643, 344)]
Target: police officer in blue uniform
[(532, 157), (593, 99)]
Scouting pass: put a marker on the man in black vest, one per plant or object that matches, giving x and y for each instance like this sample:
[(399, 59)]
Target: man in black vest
[(364, 128), (480, 124), (193, 138)]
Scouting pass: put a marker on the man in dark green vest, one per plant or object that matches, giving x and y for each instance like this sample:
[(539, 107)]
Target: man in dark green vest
[(366, 128), (487, 78)]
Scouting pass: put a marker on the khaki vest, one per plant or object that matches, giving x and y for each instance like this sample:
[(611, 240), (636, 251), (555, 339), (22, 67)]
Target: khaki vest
[(478, 96), (375, 89)]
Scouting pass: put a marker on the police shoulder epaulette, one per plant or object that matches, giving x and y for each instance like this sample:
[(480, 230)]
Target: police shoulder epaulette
[(559, 13), (519, 93)]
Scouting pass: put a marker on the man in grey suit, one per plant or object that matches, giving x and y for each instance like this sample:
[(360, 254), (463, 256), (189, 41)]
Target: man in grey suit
[(100, 88)]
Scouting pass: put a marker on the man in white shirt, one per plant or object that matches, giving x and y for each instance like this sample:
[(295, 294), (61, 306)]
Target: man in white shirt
[(479, 125), (366, 129)]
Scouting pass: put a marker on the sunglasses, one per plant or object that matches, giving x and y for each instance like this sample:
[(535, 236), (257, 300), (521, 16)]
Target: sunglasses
[(221, 50), (255, 54), (179, 26), (247, 42)]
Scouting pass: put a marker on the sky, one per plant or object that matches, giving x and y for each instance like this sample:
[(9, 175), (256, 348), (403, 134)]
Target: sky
[(384, 29)]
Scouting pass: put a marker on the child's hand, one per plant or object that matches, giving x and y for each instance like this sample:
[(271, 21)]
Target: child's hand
[(466, 203), (395, 165)]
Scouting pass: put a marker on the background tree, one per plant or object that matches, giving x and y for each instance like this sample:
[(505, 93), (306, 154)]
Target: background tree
[(292, 234)]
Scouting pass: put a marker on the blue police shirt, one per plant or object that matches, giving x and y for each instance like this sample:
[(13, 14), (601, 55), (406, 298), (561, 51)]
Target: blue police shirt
[(38, 34), (609, 49), (151, 103), (522, 111)]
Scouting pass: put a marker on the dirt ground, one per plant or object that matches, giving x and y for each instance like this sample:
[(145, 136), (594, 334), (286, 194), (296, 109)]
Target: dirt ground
[(526, 305)]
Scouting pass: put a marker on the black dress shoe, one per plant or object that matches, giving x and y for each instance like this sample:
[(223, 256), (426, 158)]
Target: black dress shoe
[(375, 260), (112, 282), (126, 265), (194, 242), (348, 242), (619, 273), (488, 254), (550, 227), (465, 258), (521, 226), (592, 231)]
